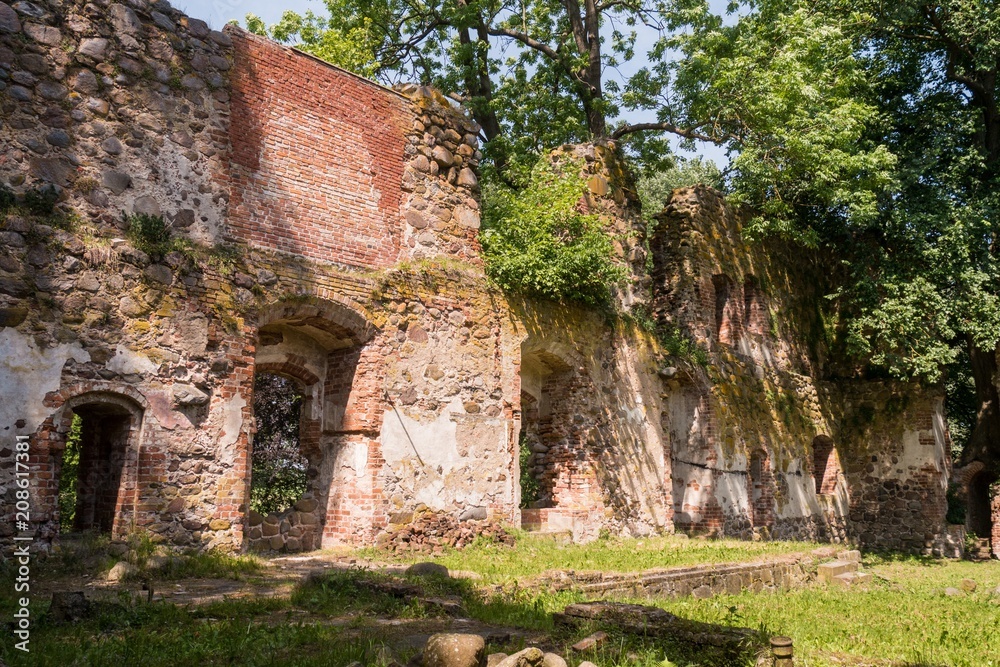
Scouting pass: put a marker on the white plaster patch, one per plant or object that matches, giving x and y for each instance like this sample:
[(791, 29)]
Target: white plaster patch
[(688, 498), (800, 501), (130, 362), (423, 453), (360, 458), (731, 493), (27, 374), (232, 423), (914, 456)]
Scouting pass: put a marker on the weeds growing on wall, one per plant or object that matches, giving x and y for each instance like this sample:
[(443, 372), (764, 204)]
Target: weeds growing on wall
[(148, 233), (41, 201), (536, 240)]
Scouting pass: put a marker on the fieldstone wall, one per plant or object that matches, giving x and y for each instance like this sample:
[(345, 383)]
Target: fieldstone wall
[(128, 108), (764, 441), (700, 581)]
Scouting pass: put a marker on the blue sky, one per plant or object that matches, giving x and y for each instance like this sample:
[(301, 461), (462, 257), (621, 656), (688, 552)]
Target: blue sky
[(219, 12)]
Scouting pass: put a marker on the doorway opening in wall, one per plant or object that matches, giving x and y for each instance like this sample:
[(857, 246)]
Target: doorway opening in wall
[(546, 428), (90, 473), (979, 513), (279, 471)]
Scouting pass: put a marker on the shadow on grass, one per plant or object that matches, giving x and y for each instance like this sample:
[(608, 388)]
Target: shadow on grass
[(517, 614), (880, 557), (331, 619)]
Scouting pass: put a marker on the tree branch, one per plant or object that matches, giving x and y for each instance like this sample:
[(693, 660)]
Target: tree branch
[(686, 132), (530, 42)]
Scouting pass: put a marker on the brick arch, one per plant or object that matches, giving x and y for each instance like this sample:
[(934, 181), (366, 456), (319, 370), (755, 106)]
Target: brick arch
[(74, 393), (330, 315), (289, 369), (962, 476)]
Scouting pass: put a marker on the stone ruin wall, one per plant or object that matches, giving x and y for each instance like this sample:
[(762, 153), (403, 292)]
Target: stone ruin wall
[(330, 237), (764, 439), (302, 193)]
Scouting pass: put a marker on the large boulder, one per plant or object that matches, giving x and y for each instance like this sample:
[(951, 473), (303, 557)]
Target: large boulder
[(454, 650)]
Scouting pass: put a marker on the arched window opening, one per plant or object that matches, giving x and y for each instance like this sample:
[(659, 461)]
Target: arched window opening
[(724, 333), (754, 313), (826, 466)]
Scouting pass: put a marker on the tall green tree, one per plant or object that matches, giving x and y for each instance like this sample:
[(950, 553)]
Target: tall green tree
[(873, 129), (534, 73)]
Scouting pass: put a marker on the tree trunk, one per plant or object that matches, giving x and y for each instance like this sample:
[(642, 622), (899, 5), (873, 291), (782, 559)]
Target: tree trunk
[(479, 86), (586, 35), (984, 443)]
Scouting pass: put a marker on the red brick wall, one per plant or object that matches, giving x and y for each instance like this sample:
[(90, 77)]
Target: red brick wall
[(317, 157)]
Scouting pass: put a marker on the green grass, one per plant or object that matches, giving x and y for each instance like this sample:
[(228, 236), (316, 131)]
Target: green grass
[(533, 555), (902, 618), (211, 565), (231, 633), (906, 619)]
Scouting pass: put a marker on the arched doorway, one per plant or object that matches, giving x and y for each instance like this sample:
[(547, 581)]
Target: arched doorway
[(545, 425), (280, 472), (308, 354), (96, 468)]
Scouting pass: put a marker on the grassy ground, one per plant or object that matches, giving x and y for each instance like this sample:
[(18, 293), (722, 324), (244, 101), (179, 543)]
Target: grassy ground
[(903, 618), (534, 554)]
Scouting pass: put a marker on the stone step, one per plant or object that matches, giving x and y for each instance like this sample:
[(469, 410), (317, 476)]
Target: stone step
[(851, 579), (827, 571)]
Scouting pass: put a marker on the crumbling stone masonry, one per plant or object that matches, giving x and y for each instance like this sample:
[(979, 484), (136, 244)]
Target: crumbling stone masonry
[(771, 437), (324, 229)]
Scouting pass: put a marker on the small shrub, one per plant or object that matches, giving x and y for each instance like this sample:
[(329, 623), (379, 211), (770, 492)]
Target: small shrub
[(535, 240), (86, 185), (148, 233), (679, 345), (41, 201)]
